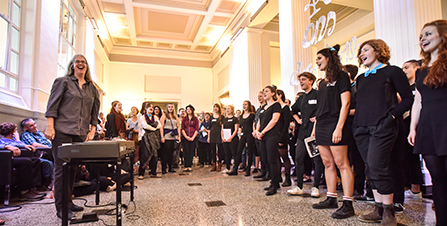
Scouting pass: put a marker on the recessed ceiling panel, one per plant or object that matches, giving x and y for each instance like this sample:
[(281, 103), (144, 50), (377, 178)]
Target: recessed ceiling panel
[(167, 22), (218, 20), (228, 6), (113, 7)]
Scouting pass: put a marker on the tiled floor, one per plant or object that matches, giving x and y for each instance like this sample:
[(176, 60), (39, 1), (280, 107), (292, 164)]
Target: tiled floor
[(170, 200)]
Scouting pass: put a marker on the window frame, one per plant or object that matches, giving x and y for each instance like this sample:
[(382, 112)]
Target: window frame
[(6, 71)]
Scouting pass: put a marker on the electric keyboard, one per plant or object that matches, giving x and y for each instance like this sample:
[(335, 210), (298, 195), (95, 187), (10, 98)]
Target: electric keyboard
[(96, 150)]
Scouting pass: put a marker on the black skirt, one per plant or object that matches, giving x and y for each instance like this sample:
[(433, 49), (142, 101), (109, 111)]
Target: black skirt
[(324, 130)]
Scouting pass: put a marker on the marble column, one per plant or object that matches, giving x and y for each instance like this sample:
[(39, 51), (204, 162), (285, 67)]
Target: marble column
[(293, 21), (399, 23), (254, 63)]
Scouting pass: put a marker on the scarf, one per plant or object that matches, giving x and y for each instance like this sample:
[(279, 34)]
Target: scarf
[(120, 122)]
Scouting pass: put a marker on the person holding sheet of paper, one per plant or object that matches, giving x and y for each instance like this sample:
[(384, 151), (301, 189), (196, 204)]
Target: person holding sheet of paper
[(230, 126)]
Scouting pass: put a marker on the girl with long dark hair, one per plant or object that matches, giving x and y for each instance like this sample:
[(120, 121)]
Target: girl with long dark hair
[(215, 138), (116, 123), (230, 143), (267, 132), (333, 101), (190, 130), (247, 140), (283, 124), (149, 139), (428, 130)]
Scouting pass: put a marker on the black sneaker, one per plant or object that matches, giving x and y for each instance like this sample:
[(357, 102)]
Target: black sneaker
[(329, 203), (271, 191), (364, 198), (398, 208), (344, 211)]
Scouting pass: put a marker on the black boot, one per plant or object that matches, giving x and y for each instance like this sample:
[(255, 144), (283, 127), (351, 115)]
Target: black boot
[(373, 217), (261, 175), (345, 211), (389, 217), (329, 203), (288, 181), (233, 171), (271, 191), (247, 172)]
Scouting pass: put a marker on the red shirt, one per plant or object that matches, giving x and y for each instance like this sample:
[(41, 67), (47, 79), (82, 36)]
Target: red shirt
[(190, 126)]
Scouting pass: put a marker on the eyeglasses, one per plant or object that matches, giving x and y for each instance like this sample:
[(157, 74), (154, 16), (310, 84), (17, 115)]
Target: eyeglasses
[(80, 62)]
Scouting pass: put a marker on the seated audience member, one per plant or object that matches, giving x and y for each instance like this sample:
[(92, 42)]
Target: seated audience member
[(27, 168), (11, 137), (33, 136)]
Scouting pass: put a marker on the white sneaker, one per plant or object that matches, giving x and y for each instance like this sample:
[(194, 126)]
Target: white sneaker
[(409, 194), (140, 177), (225, 171), (295, 191), (315, 192)]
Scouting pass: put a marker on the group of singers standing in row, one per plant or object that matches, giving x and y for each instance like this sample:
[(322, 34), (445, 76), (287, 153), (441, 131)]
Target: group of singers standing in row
[(382, 95)]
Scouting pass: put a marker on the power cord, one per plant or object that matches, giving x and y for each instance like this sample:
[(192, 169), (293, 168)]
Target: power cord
[(93, 206)]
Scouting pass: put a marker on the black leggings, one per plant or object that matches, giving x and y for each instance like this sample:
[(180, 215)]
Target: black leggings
[(167, 154), (230, 149), (269, 145), (189, 148), (203, 152), (214, 152), (300, 155), (437, 165), (249, 140)]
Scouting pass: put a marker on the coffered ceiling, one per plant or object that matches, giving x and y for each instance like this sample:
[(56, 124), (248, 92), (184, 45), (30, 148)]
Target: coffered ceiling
[(185, 32), (187, 28)]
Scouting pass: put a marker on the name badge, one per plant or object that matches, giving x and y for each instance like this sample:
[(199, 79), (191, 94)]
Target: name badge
[(214, 120), (262, 111), (332, 84), (312, 101), (230, 120)]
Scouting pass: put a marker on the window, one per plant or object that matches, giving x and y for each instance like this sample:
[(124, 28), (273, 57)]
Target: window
[(10, 14), (67, 36)]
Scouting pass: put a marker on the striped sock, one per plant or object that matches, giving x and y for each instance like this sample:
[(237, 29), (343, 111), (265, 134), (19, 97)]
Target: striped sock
[(332, 195), (348, 198)]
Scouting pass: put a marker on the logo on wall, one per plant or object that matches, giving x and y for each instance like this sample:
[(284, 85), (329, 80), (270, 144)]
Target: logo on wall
[(322, 22), (346, 54)]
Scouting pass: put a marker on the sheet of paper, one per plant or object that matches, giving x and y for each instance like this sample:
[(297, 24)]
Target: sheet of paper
[(226, 134)]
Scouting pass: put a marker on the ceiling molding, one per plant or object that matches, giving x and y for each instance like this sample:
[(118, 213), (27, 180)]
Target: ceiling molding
[(159, 60)]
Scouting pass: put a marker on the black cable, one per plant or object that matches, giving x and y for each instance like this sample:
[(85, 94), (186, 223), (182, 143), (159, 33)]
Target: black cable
[(9, 209), (93, 206), (130, 215)]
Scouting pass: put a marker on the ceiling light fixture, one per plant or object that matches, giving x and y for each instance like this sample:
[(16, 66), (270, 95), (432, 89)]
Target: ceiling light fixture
[(259, 9)]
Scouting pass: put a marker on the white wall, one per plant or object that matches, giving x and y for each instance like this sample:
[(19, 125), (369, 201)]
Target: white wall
[(126, 83)]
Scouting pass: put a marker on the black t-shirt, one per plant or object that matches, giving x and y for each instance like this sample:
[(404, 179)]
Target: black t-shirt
[(228, 123), (247, 124), (283, 124), (329, 99), (376, 96), (215, 129), (306, 105), (266, 115)]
